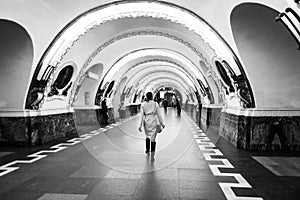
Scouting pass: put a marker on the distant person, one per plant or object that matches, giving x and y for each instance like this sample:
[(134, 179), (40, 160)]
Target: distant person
[(104, 111), (165, 105), (149, 115), (178, 106), (122, 110), (198, 112), (173, 104)]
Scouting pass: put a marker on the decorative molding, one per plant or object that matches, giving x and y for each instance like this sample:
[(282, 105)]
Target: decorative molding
[(112, 12), (89, 107), (221, 88), (141, 14), (33, 113), (115, 39), (125, 36), (167, 61), (263, 112), (212, 106), (143, 79), (182, 69), (190, 75)]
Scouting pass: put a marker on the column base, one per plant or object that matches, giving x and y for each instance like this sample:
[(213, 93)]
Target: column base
[(261, 130), (36, 130)]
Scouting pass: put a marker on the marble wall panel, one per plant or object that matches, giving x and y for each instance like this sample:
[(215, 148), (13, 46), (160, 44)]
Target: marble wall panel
[(86, 117), (36, 130), (13, 130), (269, 133), (44, 129), (210, 117)]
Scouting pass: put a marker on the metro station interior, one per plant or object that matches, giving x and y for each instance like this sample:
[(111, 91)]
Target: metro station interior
[(74, 74)]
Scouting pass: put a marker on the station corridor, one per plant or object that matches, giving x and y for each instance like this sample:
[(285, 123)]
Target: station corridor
[(75, 77), (110, 163)]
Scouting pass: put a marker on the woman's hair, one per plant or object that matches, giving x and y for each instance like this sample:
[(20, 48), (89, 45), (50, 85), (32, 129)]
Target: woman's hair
[(149, 96)]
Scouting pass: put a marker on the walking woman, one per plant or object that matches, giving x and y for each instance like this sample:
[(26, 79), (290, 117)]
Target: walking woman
[(150, 116)]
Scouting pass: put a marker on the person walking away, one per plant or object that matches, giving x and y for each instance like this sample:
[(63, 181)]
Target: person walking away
[(178, 107), (150, 117), (165, 105)]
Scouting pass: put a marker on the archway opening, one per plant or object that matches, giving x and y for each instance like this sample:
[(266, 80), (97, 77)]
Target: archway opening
[(16, 56), (269, 56)]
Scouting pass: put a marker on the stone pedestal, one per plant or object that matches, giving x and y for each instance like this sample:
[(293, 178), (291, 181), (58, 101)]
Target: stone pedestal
[(31, 128), (35, 128), (100, 116), (261, 130), (210, 116), (86, 116), (133, 109)]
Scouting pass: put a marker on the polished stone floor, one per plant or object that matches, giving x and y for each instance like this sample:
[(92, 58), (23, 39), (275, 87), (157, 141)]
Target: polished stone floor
[(110, 163)]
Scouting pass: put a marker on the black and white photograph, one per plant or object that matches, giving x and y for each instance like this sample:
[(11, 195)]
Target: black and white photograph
[(149, 99)]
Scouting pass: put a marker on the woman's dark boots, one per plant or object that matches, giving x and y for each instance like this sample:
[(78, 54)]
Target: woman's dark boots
[(147, 145), (153, 144)]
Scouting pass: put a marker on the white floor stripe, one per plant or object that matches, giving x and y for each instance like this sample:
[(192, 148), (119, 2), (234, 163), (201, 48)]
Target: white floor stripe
[(7, 168), (209, 150)]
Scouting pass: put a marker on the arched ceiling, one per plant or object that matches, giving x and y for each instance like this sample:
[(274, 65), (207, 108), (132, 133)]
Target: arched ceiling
[(133, 62), (270, 52), (121, 38), (16, 57), (145, 61), (135, 39)]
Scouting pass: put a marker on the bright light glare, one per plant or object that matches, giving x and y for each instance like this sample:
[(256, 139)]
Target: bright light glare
[(132, 10)]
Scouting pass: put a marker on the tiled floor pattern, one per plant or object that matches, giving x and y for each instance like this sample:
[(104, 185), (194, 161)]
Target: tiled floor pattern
[(212, 154), (281, 166), (178, 171), (10, 167), (76, 173), (264, 182), (112, 165)]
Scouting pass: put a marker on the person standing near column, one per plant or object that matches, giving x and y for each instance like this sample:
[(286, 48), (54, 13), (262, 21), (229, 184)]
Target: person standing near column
[(104, 111), (150, 117), (178, 106)]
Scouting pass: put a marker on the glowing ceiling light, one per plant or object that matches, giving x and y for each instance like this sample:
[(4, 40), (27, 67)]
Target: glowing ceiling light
[(115, 11)]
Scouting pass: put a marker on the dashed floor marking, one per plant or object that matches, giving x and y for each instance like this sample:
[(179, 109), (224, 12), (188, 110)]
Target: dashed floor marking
[(9, 167), (210, 150)]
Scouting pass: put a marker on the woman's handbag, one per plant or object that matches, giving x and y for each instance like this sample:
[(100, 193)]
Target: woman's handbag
[(158, 128)]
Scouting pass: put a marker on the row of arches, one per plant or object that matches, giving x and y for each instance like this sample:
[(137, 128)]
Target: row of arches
[(44, 78), (122, 49), (197, 30)]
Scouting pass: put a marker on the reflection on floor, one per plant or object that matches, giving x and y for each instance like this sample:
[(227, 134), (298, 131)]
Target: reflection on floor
[(110, 163)]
